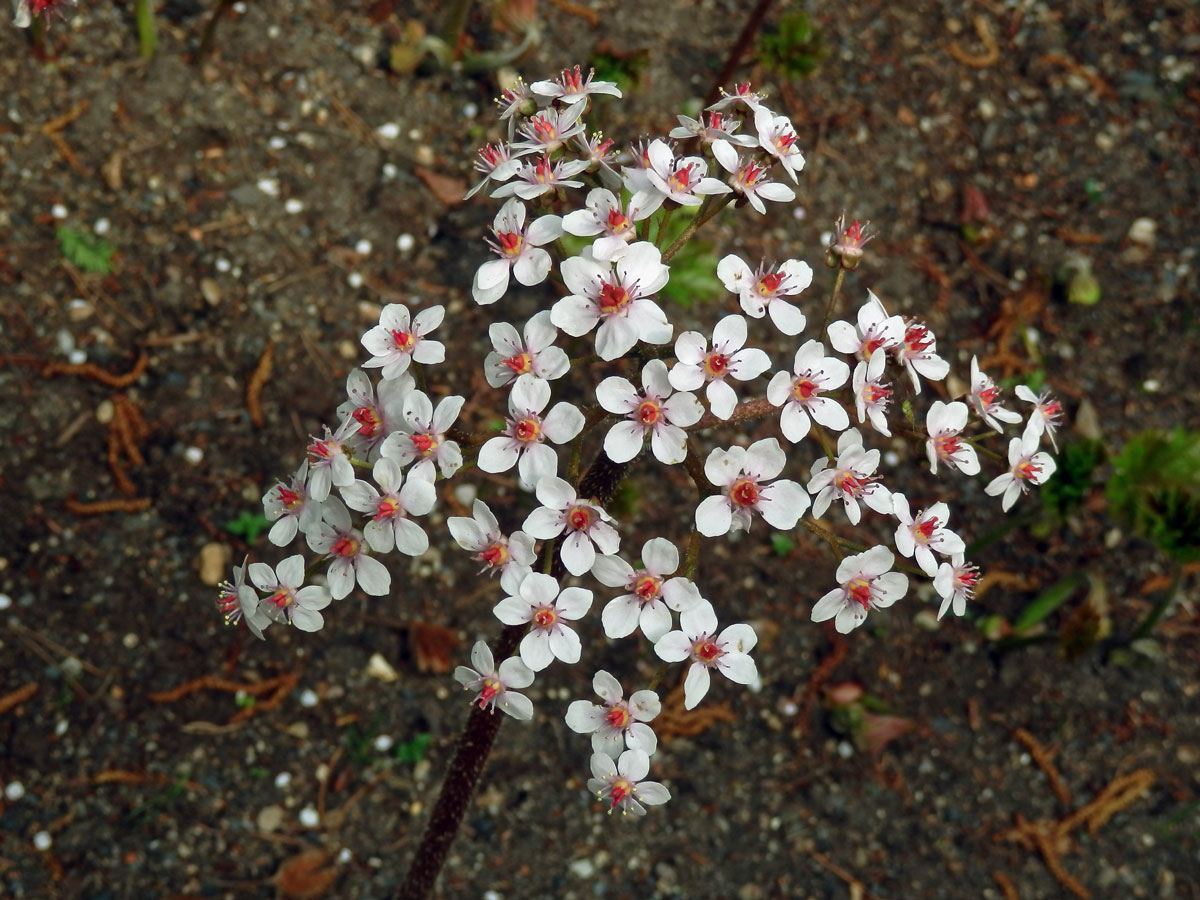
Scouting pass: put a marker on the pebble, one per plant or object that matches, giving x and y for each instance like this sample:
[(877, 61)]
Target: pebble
[(223, 265), (42, 840), (363, 247), (344, 856), (389, 131), (77, 357), (405, 242), (210, 290), (193, 455), (5, 601), (355, 279), (213, 563), (582, 868), (309, 817), (269, 186), (424, 155), (270, 818), (59, 212), (390, 171), (14, 790), (283, 779), (293, 206), (101, 226), (79, 310), (309, 698), (383, 743), (1143, 231), (987, 109), (277, 142), (378, 667)]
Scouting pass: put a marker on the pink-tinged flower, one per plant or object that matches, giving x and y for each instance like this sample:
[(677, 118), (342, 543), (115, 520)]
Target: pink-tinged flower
[(520, 250), (742, 94), (572, 86), (350, 560), (547, 130), (876, 330), (800, 394), (421, 436), (777, 136), (634, 177), (871, 393), (498, 163), (603, 216), (761, 291), (391, 506), (1046, 416), (619, 782), (600, 154), (291, 508), (373, 420), (697, 640), (540, 603), (867, 582), (917, 352), (1026, 466), (541, 177), (985, 397), (515, 102), (653, 593), (850, 479), (396, 341), (534, 356), (26, 10), (740, 473), (714, 127), (237, 600), (511, 556), (955, 583), (655, 410), (619, 723), (286, 600), (945, 422), (847, 242), (615, 297), (727, 359), (918, 537), (330, 464), (522, 442), (587, 527), (685, 181), (494, 687), (748, 178)]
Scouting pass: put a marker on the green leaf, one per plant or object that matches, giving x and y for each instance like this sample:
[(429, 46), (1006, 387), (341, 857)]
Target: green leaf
[(1077, 463), (1155, 490), (1046, 602), (794, 48), (248, 526), (782, 544), (88, 252), (414, 751)]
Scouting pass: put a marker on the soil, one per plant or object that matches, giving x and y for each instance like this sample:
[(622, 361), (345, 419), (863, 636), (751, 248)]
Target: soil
[(1071, 121)]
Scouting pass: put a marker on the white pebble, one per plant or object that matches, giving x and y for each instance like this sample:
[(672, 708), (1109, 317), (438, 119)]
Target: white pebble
[(383, 743), (354, 279), (309, 698), (1151, 385), (283, 779), (470, 111), (101, 226), (14, 790), (239, 8), (363, 247), (269, 186), (129, 641), (492, 895), (60, 727), (77, 357), (309, 817), (344, 856), (5, 601), (42, 840), (193, 455), (223, 265), (277, 142), (389, 131), (405, 242), (58, 211), (390, 172), (293, 206)]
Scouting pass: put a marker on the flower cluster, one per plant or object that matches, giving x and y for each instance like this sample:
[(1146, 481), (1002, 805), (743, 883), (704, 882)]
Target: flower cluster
[(370, 477)]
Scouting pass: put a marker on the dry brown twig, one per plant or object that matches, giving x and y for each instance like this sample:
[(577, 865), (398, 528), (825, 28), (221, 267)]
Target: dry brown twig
[(104, 507), (675, 721), (258, 380), (13, 699), (278, 688), (991, 51), (1042, 757)]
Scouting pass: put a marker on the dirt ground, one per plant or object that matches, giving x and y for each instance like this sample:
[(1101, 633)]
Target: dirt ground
[(237, 193)]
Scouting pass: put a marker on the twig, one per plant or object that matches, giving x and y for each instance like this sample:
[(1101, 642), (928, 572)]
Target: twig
[(858, 890), (103, 507), (1006, 886), (1046, 764), (13, 699), (258, 380), (991, 52), (94, 372)]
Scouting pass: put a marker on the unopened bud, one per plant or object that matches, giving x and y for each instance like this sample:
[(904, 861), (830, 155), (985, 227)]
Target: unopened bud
[(846, 246)]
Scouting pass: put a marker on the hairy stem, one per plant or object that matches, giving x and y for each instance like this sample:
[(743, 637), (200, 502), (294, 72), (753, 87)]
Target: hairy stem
[(710, 208), (833, 295)]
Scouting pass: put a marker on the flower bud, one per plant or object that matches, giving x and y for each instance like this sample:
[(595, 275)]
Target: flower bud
[(846, 246)]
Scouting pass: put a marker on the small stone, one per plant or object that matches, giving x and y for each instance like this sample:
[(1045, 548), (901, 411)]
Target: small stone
[(1143, 231), (105, 412), (210, 290), (277, 142), (59, 212), (927, 620), (293, 206), (987, 109), (223, 265), (42, 840), (363, 247), (355, 280), (378, 667), (383, 743), (270, 818), (389, 131), (309, 817), (283, 779), (193, 455), (405, 243), (582, 868), (309, 698), (424, 155), (269, 186), (344, 856), (79, 310), (5, 601), (14, 791), (298, 730), (101, 226), (213, 563)]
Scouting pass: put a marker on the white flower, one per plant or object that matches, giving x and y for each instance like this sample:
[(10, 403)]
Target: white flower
[(291, 508), (742, 94), (571, 86), (619, 301), (619, 782), (727, 359), (536, 355), (587, 526), (286, 600), (714, 127), (512, 556), (800, 396), (985, 397), (391, 505), (749, 178), (373, 420), (777, 136), (728, 653), (422, 436), (1026, 466), (619, 723), (1046, 416), (602, 215), (541, 177), (495, 688), (395, 343), (761, 291), (683, 180), (955, 583), (876, 330), (655, 410), (945, 422), (919, 537), (238, 600), (917, 352), (540, 603), (851, 479), (344, 543), (871, 393), (739, 472), (520, 250), (331, 464), (652, 592), (548, 129), (498, 162), (866, 583), (521, 444)]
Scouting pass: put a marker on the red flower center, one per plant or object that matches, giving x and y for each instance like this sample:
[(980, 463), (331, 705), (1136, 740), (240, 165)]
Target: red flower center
[(495, 555), (769, 284), (617, 717), (288, 497), (988, 395), (850, 484), (510, 242), (744, 492), (621, 788), (580, 518), (489, 689), (424, 444), (874, 393), (613, 298), (648, 587), (716, 364), (1027, 470), (281, 599), (924, 530), (618, 222), (707, 651), (405, 340), (387, 508), (368, 420), (545, 617), (649, 412), (917, 339), (681, 179), (528, 430), (859, 590), (946, 445), (520, 364), (804, 388), (345, 547)]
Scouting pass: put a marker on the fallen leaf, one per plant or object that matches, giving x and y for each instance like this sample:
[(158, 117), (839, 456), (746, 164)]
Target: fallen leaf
[(446, 188), (305, 876)]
